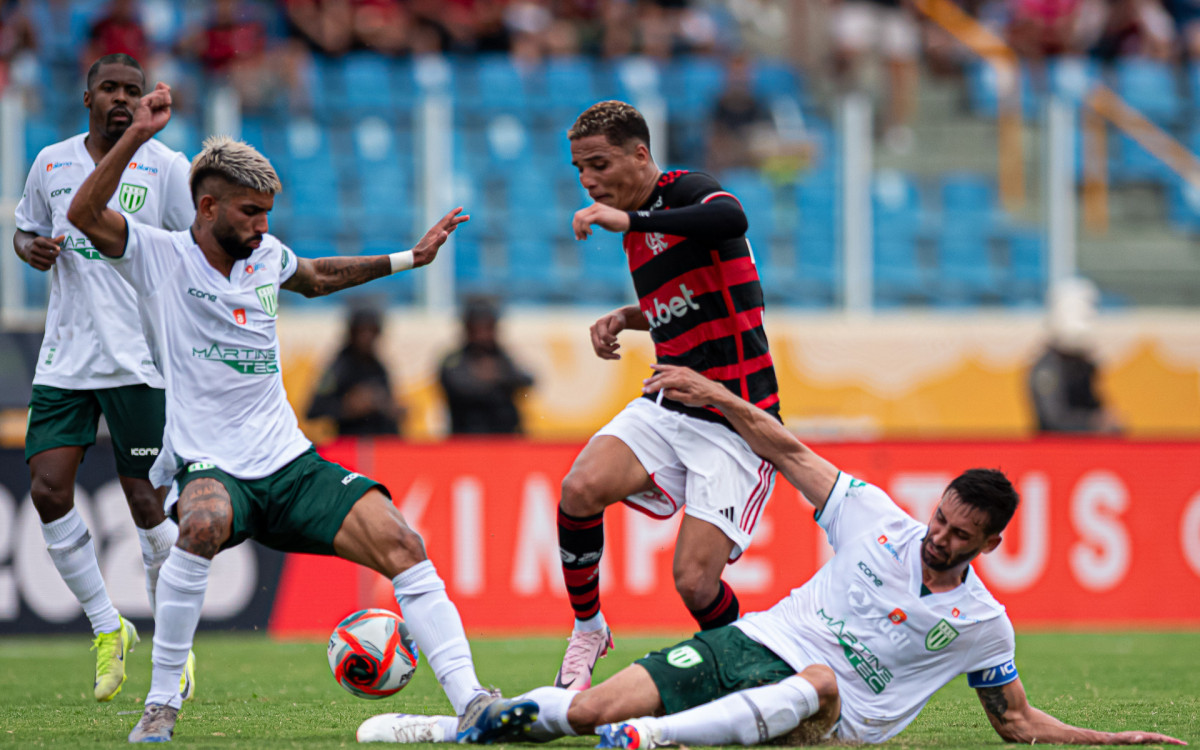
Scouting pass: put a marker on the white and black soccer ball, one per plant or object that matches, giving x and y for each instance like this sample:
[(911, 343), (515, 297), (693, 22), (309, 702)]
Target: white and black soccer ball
[(371, 653)]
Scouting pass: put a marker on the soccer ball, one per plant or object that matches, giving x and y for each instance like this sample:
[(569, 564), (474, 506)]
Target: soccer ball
[(371, 653)]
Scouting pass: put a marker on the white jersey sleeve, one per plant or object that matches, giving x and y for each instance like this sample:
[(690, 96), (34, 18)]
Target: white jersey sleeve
[(33, 212), (290, 264), (178, 212), (992, 662), (855, 508), (149, 256)]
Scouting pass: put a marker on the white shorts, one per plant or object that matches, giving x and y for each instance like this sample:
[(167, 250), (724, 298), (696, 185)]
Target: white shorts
[(703, 467), (862, 26)]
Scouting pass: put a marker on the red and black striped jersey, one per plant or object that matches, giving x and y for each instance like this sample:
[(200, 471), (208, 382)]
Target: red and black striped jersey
[(698, 287)]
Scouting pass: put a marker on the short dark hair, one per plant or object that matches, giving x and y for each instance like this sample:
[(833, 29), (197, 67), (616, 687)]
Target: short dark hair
[(116, 58), (989, 491), (617, 121)]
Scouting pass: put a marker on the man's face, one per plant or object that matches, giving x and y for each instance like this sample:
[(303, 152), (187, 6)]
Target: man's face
[(956, 535), (241, 221), (115, 93), (612, 175)]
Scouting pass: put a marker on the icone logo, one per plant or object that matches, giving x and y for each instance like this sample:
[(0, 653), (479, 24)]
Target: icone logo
[(201, 295), (869, 574), (143, 167), (675, 307), (60, 191), (55, 165), (143, 451)]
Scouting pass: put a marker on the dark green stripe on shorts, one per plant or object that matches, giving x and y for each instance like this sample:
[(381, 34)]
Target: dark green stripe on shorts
[(136, 414)]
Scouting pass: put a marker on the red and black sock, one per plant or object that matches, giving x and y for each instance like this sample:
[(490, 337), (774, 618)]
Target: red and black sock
[(722, 611), (580, 545)]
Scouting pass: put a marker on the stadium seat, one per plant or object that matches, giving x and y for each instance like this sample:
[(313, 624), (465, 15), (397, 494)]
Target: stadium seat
[(367, 85), (1072, 78), (694, 82), (815, 272), (777, 78), (965, 273), (758, 201), (499, 86), (1150, 87), (1026, 272), (900, 278), (570, 88), (983, 92), (969, 202), (400, 288)]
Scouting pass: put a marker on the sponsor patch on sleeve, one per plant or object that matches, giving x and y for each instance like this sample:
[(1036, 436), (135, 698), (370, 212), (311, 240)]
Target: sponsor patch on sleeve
[(993, 676)]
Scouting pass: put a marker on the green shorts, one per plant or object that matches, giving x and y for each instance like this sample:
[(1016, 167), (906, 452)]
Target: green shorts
[(297, 509), (135, 414), (711, 665)]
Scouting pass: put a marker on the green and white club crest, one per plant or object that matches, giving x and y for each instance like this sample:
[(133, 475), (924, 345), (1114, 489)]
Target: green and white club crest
[(941, 636), (132, 197), (266, 295)]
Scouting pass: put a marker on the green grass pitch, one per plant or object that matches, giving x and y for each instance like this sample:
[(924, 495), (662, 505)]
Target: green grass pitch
[(257, 693)]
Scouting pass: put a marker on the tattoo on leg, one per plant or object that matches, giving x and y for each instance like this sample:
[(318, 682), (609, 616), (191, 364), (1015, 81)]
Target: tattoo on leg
[(205, 516), (994, 702)]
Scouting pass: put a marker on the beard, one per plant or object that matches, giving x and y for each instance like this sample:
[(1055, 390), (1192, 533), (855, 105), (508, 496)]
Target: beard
[(233, 245), (946, 563)]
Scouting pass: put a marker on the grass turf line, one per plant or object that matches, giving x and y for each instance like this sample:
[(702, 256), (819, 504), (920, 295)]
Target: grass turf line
[(258, 693)]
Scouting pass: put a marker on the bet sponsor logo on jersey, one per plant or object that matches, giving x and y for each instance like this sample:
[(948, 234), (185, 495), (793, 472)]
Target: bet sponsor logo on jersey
[(675, 307), (140, 167), (891, 548), (56, 164)]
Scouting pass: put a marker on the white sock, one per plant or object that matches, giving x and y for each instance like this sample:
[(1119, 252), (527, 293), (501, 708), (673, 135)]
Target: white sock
[(435, 625), (71, 548), (156, 545), (746, 717), (553, 703), (596, 622), (181, 585)]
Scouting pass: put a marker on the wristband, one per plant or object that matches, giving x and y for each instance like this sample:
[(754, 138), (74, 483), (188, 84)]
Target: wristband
[(401, 261)]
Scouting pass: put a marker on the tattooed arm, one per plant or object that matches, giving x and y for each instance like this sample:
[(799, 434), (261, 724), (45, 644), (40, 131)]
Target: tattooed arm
[(321, 276), (316, 277), (1015, 720)]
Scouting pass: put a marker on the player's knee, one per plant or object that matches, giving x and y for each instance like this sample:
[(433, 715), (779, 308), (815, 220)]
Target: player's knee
[(696, 588), (51, 499), (403, 548), (583, 494), (145, 506), (585, 712), (825, 681)]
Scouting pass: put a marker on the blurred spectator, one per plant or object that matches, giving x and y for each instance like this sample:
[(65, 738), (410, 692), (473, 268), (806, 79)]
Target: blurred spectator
[(324, 25), (889, 27), (355, 391), (480, 380), (1062, 382), (1186, 16), (118, 30), (1136, 27), (742, 132), (232, 45)]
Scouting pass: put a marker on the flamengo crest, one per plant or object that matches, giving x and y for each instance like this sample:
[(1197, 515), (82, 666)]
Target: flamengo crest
[(132, 197), (266, 295)]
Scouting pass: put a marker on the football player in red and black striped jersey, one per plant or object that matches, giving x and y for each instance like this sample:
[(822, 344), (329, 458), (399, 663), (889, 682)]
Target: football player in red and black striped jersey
[(700, 299)]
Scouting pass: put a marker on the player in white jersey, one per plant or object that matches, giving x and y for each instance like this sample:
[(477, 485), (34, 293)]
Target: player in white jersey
[(853, 654), (233, 448), (94, 358)]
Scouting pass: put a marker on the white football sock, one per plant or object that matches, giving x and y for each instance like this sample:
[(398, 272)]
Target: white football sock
[(435, 625), (746, 717), (71, 548), (181, 585), (596, 622), (553, 704), (156, 545)]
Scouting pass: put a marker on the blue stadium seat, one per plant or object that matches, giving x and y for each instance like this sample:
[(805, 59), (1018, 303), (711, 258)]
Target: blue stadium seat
[(400, 288), (366, 85), (1026, 273), (1130, 162), (758, 201), (1151, 88), (603, 276), (965, 272), (983, 92), (499, 86), (694, 83), (900, 278), (776, 78), (816, 272), (570, 87), (969, 202), (305, 164)]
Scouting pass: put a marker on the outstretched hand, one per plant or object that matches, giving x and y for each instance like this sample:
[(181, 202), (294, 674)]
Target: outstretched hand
[(427, 249), (1143, 738), (604, 335), (598, 214), (153, 111), (683, 385)]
